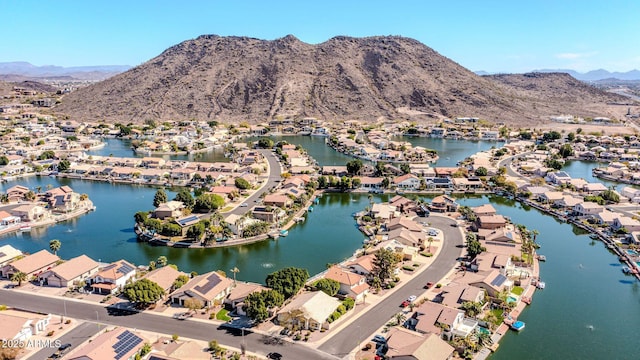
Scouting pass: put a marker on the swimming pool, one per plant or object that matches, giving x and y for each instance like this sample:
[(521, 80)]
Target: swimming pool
[(511, 299), (631, 252), (484, 330)]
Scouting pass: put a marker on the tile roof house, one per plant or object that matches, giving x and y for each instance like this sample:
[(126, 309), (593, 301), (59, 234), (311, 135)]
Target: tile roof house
[(362, 265), (405, 344), (112, 277), (308, 311), (164, 276), (33, 264), (206, 288), (587, 209), (443, 203), (70, 272), (351, 284), (484, 210), (493, 283), (240, 291), (278, 200), (407, 181), (454, 295), (171, 209), (119, 343), (431, 317), (7, 254)]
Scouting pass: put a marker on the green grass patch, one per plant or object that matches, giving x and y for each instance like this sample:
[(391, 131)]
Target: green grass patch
[(497, 313), (222, 315), (408, 268), (415, 265), (426, 254), (517, 290)]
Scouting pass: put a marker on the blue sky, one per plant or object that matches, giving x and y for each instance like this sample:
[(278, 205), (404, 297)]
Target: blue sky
[(490, 35)]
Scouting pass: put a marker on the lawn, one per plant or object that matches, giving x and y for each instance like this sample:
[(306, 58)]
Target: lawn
[(517, 290), (222, 315)]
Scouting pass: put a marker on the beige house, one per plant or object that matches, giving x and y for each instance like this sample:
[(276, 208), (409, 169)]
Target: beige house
[(7, 254), (587, 209), (112, 277), (21, 325), (28, 212), (69, 273), (308, 311), (351, 284), (454, 295), (33, 264), (491, 222), (164, 276), (170, 209), (207, 288), (405, 344), (278, 200), (235, 299), (119, 343)]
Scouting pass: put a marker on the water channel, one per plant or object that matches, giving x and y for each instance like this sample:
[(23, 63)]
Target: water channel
[(585, 312)]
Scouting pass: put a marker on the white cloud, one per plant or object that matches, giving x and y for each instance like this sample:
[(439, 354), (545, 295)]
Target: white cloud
[(573, 56)]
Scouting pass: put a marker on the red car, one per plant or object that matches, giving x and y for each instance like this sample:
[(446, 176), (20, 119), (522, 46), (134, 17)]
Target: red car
[(429, 285), (405, 303)]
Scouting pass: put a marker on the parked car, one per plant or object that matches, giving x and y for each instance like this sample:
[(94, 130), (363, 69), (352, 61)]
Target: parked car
[(405, 304), (274, 356), (379, 339), (429, 285), (244, 205), (412, 298), (64, 347), (433, 232)]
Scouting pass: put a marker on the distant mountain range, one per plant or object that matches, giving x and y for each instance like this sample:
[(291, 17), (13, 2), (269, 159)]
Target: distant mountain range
[(593, 75), (20, 70)]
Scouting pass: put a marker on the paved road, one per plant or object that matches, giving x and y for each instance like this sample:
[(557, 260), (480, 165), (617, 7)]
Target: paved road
[(159, 324), (75, 337), (342, 343), (507, 163), (274, 177)]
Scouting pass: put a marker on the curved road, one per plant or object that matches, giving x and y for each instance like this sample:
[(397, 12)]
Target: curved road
[(274, 178), (343, 342), (199, 330)]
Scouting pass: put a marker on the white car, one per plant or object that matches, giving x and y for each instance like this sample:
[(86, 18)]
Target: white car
[(412, 298), (433, 232), (244, 205)]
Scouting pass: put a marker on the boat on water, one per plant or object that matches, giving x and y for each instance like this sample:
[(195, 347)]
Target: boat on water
[(541, 285), (25, 228), (284, 232), (542, 258), (626, 270), (310, 208), (518, 325)]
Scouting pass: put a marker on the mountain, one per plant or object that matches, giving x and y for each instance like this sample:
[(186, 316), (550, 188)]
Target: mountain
[(246, 79), (11, 71), (600, 74)]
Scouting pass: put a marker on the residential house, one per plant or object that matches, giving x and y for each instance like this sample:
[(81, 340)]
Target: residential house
[(170, 209), (493, 283), (370, 183), (119, 343), (491, 222), (383, 211), (268, 213), (239, 292), (338, 171), (20, 325), (487, 261), (443, 203), (550, 197), (164, 276), (633, 194), (405, 344), (308, 311), (403, 223), (27, 212), (454, 295), (207, 288), (594, 188), (112, 277), (407, 238), (362, 265), (279, 200), (558, 177), (606, 217), (351, 284), (33, 264), (627, 223), (567, 202), (484, 210), (70, 273), (587, 209), (407, 182), (431, 317), (7, 254), (403, 204), (17, 193)]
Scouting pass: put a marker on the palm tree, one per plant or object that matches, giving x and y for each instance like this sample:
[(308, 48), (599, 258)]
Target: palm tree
[(484, 338), (162, 261), (235, 270), (19, 277), (400, 318), (55, 245)]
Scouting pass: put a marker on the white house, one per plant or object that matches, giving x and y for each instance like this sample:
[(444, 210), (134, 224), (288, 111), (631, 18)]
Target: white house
[(112, 277)]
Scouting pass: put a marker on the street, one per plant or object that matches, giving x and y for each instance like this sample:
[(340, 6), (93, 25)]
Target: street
[(341, 343)]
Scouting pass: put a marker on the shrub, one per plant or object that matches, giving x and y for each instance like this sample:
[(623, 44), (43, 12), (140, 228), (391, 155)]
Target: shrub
[(415, 265), (391, 285), (341, 309), (349, 303), (438, 286), (3, 307), (50, 333), (426, 254), (407, 268)]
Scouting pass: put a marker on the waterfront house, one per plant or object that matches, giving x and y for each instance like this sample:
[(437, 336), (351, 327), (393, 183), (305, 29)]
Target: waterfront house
[(550, 197), (164, 276), (536, 191), (269, 214), (239, 292), (17, 193), (227, 192), (605, 217), (21, 325), (633, 194), (370, 183), (407, 182), (484, 210), (443, 203), (487, 261), (431, 317), (119, 343), (362, 265), (112, 277), (567, 202), (403, 222), (422, 170), (351, 284), (70, 273), (493, 282), (445, 172), (170, 209), (587, 209), (626, 223), (7, 254), (383, 211), (558, 178), (403, 204), (308, 311), (62, 199), (33, 264), (454, 295), (333, 170), (405, 344), (594, 188), (279, 200), (208, 288), (491, 222)]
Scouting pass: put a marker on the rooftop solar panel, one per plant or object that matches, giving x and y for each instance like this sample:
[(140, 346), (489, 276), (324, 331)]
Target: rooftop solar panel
[(212, 281), (499, 280)]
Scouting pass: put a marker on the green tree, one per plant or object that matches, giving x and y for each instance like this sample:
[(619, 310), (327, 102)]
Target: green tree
[(610, 195), (329, 286), (322, 182), (550, 136), (143, 291), (471, 309), (208, 202), (384, 264), (571, 136), (265, 143), (566, 150), (64, 165), (159, 198), (162, 261), (55, 245), (474, 247), (405, 168), (242, 184), (482, 171), (48, 154), (4, 160), (193, 304), (287, 281), (141, 216), (19, 277), (354, 166), (257, 304), (196, 231), (180, 281), (184, 195)]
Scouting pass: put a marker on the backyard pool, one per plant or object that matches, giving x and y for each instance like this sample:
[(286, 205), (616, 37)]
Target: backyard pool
[(511, 299), (631, 252)]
